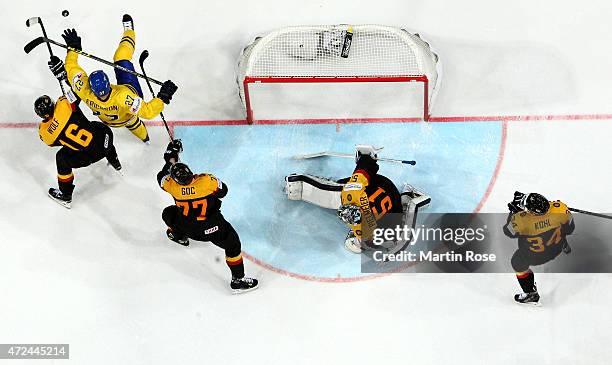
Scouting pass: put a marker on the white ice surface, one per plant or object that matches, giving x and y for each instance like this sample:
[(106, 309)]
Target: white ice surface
[(103, 278)]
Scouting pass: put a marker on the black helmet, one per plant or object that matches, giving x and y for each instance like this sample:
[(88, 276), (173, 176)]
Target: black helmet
[(44, 106), (181, 173), (537, 204)]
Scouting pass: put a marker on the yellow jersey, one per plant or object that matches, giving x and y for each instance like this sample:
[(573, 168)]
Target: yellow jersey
[(540, 233), (354, 193), (123, 105), (67, 127), (197, 200)]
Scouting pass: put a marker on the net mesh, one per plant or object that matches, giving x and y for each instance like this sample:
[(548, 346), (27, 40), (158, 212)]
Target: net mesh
[(317, 51)]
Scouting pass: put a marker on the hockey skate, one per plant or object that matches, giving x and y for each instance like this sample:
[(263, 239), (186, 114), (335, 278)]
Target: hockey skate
[(243, 285), (532, 298), (181, 240), (128, 22), (567, 249), (57, 196)]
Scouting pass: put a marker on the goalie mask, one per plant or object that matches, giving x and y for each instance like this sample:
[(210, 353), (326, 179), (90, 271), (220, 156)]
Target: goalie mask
[(44, 107), (181, 173), (536, 204)]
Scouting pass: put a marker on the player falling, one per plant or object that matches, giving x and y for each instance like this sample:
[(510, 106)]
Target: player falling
[(197, 213), (541, 227), (116, 105), (83, 142), (363, 201)]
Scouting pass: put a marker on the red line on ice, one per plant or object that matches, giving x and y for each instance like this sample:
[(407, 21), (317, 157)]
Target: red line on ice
[(500, 157), (448, 119)]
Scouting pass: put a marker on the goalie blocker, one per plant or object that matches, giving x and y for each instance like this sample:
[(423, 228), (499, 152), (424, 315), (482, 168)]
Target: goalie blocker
[(327, 194)]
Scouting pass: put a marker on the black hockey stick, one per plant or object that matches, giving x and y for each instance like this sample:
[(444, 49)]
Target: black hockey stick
[(141, 59), (38, 20), (40, 40), (590, 213)]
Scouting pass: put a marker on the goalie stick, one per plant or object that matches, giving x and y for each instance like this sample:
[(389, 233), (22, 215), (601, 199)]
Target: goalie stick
[(347, 155), (141, 59), (40, 40), (38, 20)]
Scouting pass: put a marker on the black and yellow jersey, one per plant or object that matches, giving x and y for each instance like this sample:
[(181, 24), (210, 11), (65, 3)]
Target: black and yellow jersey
[(374, 194), (123, 105), (67, 127), (540, 233), (198, 200)]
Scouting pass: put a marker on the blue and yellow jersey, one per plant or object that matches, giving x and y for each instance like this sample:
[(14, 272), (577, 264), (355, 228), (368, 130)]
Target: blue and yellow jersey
[(67, 127), (123, 105)]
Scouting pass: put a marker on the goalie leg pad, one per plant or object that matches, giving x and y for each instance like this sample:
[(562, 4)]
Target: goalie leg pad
[(412, 200), (316, 190)]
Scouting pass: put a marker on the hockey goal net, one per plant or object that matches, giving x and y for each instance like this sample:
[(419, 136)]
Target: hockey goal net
[(339, 54)]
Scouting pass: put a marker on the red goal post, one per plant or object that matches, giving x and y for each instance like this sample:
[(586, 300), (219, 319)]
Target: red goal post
[(339, 54)]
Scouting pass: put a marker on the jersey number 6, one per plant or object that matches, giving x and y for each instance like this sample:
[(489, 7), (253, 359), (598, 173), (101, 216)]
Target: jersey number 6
[(81, 137)]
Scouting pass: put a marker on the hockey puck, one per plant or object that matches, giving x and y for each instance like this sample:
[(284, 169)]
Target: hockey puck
[(65, 13)]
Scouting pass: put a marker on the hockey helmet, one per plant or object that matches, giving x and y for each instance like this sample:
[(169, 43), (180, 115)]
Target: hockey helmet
[(536, 204), (99, 84), (44, 106), (181, 173)]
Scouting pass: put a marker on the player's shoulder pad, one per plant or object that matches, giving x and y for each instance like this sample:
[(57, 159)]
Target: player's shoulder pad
[(518, 221), (558, 206), (63, 109), (560, 209), (78, 81), (210, 181), (165, 182)]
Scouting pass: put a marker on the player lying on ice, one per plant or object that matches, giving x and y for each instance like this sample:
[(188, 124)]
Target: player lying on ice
[(116, 105), (363, 201), (197, 213), (83, 142)]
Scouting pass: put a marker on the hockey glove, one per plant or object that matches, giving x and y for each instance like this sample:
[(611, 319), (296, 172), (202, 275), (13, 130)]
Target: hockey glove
[(72, 39), (365, 150), (518, 203), (172, 151), (513, 208), (167, 90), (57, 68)]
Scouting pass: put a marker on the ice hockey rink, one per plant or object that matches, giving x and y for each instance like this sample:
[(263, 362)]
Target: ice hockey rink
[(524, 104)]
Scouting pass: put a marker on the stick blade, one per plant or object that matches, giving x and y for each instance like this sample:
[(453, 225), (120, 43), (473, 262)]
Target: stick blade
[(143, 56), (32, 20), (310, 155), (33, 44)]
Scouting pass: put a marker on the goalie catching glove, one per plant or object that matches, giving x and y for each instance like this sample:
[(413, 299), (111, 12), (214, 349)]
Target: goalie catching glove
[(350, 214)]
